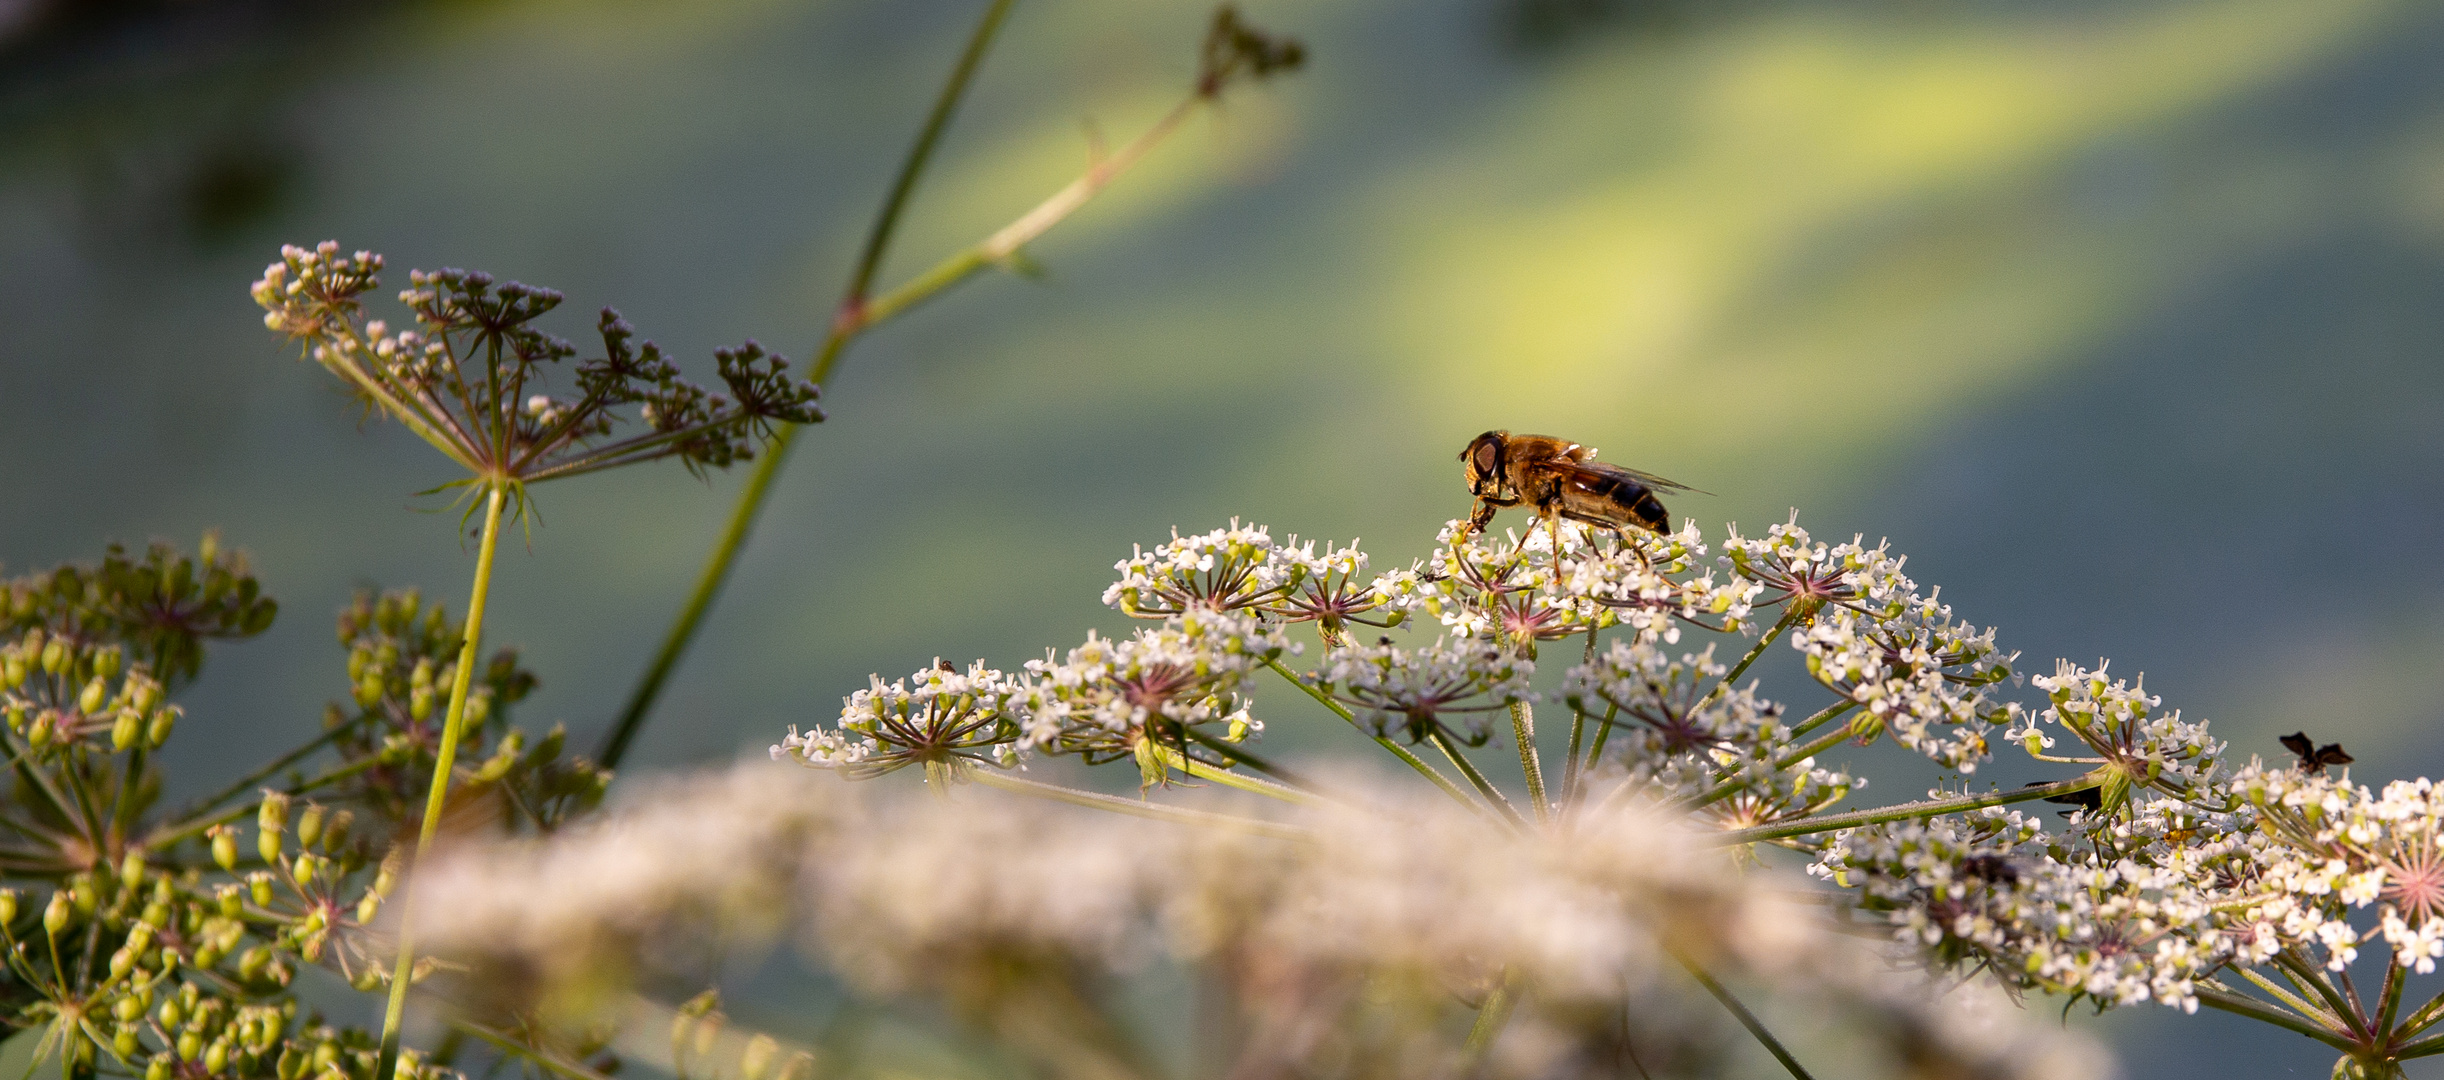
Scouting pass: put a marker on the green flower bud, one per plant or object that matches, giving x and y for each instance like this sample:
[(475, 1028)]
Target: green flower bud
[(158, 1068), (420, 703), (127, 1009), (54, 657), (251, 965), (309, 825), (124, 729), (171, 1014), (158, 732), (325, 1055), (106, 663), (231, 900), (369, 690), (259, 888), (45, 722), (216, 1057), (755, 1063), (16, 716), (367, 907), (358, 659), (8, 906), (86, 892), (225, 847), (190, 1046), (335, 834), (303, 869), (124, 1044), (121, 961), (131, 869), (801, 1067), (55, 915)]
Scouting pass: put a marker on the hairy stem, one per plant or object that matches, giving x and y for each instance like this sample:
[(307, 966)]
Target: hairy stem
[(1905, 811), (1240, 754), (1192, 767), (1790, 614), (1747, 1019), (446, 755), (1523, 729), (1492, 1017), (2241, 1005), (1493, 795)]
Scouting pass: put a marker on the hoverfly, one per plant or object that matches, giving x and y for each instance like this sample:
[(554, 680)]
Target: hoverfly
[(2314, 758), (1561, 479)]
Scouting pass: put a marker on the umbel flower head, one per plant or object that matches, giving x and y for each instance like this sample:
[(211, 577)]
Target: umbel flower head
[(470, 378), (933, 718)]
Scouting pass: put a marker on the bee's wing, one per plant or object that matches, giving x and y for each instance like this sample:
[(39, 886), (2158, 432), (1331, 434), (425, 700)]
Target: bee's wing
[(1607, 469)]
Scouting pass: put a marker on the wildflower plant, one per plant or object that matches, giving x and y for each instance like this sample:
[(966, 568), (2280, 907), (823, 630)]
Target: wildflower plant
[(2175, 877)]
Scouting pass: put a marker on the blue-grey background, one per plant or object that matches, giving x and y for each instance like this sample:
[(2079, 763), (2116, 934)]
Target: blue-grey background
[(2123, 320)]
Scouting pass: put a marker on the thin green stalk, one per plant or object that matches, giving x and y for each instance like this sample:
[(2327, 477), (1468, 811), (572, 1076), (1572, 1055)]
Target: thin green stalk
[(2395, 976), (1905, 811), (1237, 753), (1492, 1017), (1423, 768), (1790, 614), (2422, 1017), (1747, 1019), (446, 755), (2300, 971), (1523, 728), (251, 780), (1578, 729), (1198, 769), (123, 809), (1603, 734), (1136, 808), (548, 1062), (1823, 716), (170, 834), (1493, 795), (856, 315), (852, 318), (2240, 1005), (2290, 1000)]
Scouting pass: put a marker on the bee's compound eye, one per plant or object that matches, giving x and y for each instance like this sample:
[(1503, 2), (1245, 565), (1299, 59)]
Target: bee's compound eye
[(1486, 456)]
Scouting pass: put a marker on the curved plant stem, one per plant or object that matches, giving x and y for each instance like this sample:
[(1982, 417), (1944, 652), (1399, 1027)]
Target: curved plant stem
[(1492, 1017), (1423, 768), (1493, 795), (1905, 811), (859, 313), (1136, 808), (751, 500), (1747, 1019), (1790, 614), (446, 755), (1200, 770)]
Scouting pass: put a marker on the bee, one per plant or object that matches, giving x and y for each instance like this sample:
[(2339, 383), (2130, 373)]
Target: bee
[(1561, 479)]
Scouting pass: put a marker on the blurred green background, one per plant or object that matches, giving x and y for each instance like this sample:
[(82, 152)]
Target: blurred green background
[(2123, 320)]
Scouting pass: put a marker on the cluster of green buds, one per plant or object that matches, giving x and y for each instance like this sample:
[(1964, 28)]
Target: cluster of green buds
[(60, 692)]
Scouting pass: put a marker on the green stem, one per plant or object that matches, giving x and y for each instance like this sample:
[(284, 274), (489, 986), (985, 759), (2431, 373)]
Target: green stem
[(2395, 976), (709, 580), (2290, 1000), (1905, 811), (1492, 1017), (1198, 769), (1523, 728), (1233, 751), (251, 780), (175, 833), (1747, 1019), (2240, 1005), (446, 755), (1493, 795), (1790, 614), (1595, 750), (2306, 974), (1420, 764), (856, 315), (1823, 716), (1136, 808)]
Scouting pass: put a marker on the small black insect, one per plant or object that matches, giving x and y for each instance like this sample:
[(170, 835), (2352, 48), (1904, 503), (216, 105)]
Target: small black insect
[(2314, 758), (1998, 869), (2088, 799)]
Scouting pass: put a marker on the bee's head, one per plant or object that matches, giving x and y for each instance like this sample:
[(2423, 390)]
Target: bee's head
[(1482, 463)]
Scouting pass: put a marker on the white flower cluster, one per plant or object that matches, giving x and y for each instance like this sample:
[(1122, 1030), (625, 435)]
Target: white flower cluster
[(1105, 697), (2118, 720), (945, 716), (2343, 847), (1691, 742), (1445, 687), (1223, 570), (1796, 568), (1918, 674)]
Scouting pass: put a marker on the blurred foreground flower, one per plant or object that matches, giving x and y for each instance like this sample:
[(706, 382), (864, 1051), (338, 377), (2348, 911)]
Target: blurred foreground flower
[(1349, 943)]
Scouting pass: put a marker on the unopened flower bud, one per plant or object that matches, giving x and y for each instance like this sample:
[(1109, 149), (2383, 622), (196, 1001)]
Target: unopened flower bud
[(309, 825), (335, 834), (54, 657), (216, 1057), (127, 1008), (124, 729), (124, 1043), (131, 868), (259, 888), (225, 847), (45, 722), (190, 1046), (251, 965), (95, 693), (8, 906), (107, 662), (158, 731), (55, 915), (755, 1063)]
